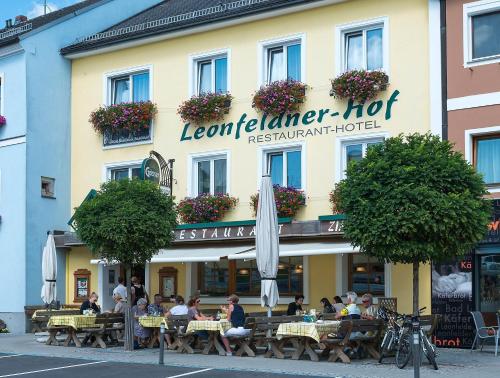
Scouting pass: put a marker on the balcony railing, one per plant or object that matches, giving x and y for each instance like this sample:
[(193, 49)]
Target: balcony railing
[(125, 137)]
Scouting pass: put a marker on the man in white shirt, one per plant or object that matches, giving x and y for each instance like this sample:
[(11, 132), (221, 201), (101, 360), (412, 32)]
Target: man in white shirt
[(121, 289)]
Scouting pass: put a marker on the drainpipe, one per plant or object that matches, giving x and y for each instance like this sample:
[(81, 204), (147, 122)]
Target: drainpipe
[(444, 71)]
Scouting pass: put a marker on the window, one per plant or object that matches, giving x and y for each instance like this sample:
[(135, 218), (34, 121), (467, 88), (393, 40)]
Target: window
[(481, 31), (210, 175), (366, 275), (48, 187), (489, 282), (124, 173), (363, 46), (285, 167), (487, 158), (283, 60), (1, 94), (130, 88), (224, 277), (211, 75), (356, 149)]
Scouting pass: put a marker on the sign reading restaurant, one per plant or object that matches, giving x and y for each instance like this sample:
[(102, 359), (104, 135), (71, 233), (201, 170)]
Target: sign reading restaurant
[(246, 230), (282, 127)]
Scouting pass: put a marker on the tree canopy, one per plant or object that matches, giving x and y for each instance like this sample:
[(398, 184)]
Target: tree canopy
[(413, 199), (127, 221)]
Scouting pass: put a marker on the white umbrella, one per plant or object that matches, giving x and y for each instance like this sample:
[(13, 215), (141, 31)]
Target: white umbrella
[(49, 271), (267, 244)]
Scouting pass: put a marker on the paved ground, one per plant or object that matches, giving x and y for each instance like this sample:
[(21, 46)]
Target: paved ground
[(452, 363)]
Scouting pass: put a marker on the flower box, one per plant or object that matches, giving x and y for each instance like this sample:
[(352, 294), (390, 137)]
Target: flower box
[(288, 201), (359, 85), (205, 208), (3, 120), (280, 97), (206, 107), (125, 118)]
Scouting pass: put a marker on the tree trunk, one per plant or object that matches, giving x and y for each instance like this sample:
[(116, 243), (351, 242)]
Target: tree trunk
[(415, 287), (129, 319)]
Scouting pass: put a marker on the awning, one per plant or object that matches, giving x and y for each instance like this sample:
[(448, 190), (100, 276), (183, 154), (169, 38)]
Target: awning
[(303, 249), (198, 254)]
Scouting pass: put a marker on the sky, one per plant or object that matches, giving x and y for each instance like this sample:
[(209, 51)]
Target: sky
[(29, 8)]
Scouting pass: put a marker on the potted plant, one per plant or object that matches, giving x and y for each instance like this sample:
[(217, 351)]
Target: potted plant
[(334, 198), (128, 117), (3, 120), (288, 201), (205, 107), (359, 85), (278, 97), (205, 207)]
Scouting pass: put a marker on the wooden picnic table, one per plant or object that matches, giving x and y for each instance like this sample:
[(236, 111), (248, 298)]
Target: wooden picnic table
[(306, 334), (214, 329), (71, 323), (154, 323)]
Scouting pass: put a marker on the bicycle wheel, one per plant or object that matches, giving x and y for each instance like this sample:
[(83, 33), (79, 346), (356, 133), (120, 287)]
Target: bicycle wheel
[(403, 352), (384, 347), (429, 351)]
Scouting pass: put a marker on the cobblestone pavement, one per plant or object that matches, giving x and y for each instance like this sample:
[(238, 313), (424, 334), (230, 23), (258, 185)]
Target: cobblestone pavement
[(452, 362)]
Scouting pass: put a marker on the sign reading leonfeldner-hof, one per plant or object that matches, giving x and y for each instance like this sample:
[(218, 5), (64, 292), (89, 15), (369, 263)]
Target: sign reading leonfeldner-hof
[(150, 170)]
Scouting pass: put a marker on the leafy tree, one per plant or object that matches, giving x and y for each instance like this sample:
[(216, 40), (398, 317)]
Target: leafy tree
[(413, 199), (127, 221)]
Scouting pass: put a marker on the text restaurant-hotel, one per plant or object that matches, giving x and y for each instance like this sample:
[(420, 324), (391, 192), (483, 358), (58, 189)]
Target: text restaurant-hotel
[(181, 48)]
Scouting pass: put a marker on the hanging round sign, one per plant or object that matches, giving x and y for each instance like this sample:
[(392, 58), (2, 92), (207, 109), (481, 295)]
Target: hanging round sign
[(150, 170)]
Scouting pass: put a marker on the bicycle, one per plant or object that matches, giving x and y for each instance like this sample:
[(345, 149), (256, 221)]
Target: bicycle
[(392, 334)]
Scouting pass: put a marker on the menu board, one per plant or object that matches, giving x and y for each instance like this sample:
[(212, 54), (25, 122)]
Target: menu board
[(82, 287), (452, 300)]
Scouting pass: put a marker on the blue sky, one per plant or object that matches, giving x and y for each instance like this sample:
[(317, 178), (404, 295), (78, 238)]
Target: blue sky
[(30, 8)]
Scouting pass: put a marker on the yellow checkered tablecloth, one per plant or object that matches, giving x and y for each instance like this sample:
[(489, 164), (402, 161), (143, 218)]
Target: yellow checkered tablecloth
[(73, 321), (152, 321), (208, 325), (312, 330), (52, 312)]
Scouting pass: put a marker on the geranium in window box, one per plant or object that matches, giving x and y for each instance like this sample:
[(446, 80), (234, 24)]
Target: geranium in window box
[(288, 201), (205, 208), (334, 198), (129, 117), (3, 120), (359, 85), (206, 107), (278, 97)]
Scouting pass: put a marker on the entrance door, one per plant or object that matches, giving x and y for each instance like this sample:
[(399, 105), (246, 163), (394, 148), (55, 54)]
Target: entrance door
[(110, 280)]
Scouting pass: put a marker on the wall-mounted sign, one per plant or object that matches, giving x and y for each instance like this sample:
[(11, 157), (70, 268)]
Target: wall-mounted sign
[(297, 125), (493, 235), (245, 231), (150, 170)]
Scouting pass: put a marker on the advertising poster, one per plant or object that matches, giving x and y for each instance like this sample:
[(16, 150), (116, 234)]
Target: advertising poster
[(452, 300)]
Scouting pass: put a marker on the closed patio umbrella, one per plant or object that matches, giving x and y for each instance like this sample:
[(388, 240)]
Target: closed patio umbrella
[(267, 244), (49, 271)]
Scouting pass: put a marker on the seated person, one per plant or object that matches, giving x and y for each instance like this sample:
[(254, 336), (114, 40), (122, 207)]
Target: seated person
[(327, 306), (179, 309), (156, 308), (236, 316), (91, 304), (140, 333), (369, 310), (338, 305), (351, 311), (293, 307), (194, 313)]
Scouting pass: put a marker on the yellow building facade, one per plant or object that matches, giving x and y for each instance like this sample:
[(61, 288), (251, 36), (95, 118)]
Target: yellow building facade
[(241, 56)]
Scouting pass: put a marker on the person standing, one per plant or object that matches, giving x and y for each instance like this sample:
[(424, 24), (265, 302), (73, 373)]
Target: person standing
[(138, 291), (121, 289)]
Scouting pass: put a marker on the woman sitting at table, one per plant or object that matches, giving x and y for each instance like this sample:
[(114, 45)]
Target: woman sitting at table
[(236, 316), (195, 314), (90, 304), (327, 306), (140, 333), (338, 305)]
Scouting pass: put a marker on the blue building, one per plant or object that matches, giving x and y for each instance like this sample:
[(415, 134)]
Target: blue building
[(35, 83)]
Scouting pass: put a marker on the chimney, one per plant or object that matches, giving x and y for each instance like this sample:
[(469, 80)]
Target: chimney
[(20, 19), (8, 23)]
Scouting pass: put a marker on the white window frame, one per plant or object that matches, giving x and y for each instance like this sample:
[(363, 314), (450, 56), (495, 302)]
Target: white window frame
[(195, 59), (264, 151), (340, 37), (192, 188), (52, 182), (108, 92), (340, 147), (470, 135), (107, 168), (2, 93), (474, 9), (266, 45)]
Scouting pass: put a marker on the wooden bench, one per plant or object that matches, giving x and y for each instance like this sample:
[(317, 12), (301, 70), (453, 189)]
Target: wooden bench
[(177, 326), (367, 334), (265, 333), (245, 343), (39, 322), (172, 328), (335, 345), (107, 325)]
